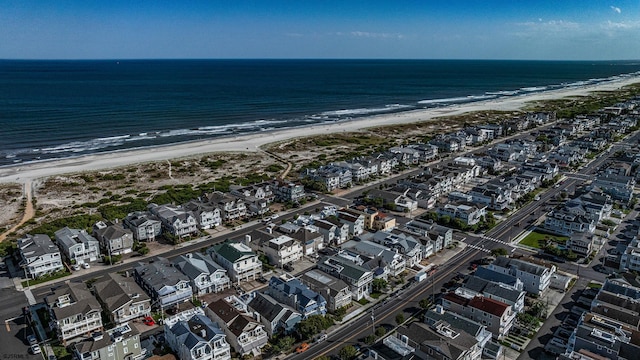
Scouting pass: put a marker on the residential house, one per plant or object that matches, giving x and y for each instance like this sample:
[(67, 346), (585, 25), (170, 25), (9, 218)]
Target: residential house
[(291, 291), (630, 259), (39, 256), (565, 222), (503, 279), (475, 286), (497, 316), (243, 333), (282, 250), (312, 241), (353, 219), (581, 243), (469, 214), (207, 215), (393, 200), (241, 263), (119, 343), (331, 176), (231, 207), (401, 242), (604, 337), (275, 316), (196, 337), (205, 275), (163, 282), (256, 197), (286, 191), (122, 298), (335, 291), (437, 317), (535, 278), (144, 225), (113, 237), (328, 231), (619, 187), (74, 312), (175, 220), (437, 342), (77, 245), (358, 278), (383, 222), (376, 257)]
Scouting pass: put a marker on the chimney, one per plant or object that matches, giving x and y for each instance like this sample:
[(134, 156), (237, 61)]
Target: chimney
[(203, 333), (373, 354), (439, 309), (269, 230), (256, 315), (404, 339), (247, 239)]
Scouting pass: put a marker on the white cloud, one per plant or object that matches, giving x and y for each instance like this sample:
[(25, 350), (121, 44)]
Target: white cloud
[(550, 26), (367, 34), (616, 9), (624, 25)]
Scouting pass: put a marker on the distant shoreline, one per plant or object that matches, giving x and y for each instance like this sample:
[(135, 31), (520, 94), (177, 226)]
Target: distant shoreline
[(251, 142)]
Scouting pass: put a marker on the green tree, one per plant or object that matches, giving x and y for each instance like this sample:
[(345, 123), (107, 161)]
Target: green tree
[(499, 252), (425, 303), (399, 318), (348, 353), (379, 285), (381, 331)]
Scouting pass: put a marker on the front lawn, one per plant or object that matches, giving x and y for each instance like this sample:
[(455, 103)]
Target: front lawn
[(537, 240)]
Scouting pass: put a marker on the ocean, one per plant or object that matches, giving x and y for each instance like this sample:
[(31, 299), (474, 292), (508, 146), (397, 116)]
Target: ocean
[(57, 109)]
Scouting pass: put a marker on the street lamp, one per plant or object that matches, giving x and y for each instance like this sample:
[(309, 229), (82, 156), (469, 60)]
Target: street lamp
[(24, 268)]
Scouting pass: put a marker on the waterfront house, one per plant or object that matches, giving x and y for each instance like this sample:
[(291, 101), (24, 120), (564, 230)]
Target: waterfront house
[(122, 298), (163, 282), (77, 245), (74, 312), (231, 207), (144, 225), (205, 275), (39, 256), (286, 191), (207, 216), (113, 237), (175, 219)]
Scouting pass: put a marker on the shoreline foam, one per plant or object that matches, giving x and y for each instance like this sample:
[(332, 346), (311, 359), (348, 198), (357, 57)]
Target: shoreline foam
[(22, 173)]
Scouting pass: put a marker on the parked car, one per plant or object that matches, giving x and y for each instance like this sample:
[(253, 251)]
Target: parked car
[(32, 340), (148, 320), (302, 348), (85, 265), (35, 349), (75, 267)]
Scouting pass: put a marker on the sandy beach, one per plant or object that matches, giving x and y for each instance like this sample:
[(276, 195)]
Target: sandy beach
[(24, 173)]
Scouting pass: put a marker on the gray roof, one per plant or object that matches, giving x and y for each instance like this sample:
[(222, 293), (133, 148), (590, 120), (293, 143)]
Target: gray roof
[(483, 286), (138, 218), (196, 264), (36, 245), (487, 274), (268, 307), (195, 330), (344, 267), (459, 322), (116, 290), (72, 236), (319, 281), (82, 301), (159, 273), (525, 266), (91, 345), (426, 336), (112, 231)]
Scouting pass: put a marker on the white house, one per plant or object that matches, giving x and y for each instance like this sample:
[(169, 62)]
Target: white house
[(241, 263), (77, 245), (535, 278), (39, 256)]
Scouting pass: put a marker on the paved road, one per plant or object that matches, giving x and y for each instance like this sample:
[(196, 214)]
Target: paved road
[(14, 329)]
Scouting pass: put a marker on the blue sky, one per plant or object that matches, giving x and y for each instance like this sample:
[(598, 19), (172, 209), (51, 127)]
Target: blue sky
[(425, 29)]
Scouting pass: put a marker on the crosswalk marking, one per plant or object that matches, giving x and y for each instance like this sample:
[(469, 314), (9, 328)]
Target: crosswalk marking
[(495, 240), (478, 248)]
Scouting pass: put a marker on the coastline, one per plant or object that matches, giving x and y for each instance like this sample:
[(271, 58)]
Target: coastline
[(23, 173)]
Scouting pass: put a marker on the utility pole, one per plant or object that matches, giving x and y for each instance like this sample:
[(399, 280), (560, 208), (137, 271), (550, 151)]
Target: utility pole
[(373, 323)]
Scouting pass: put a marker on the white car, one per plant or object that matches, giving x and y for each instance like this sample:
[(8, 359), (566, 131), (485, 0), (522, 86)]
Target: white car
[(35, 349), (85, 265), (75, 267)]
